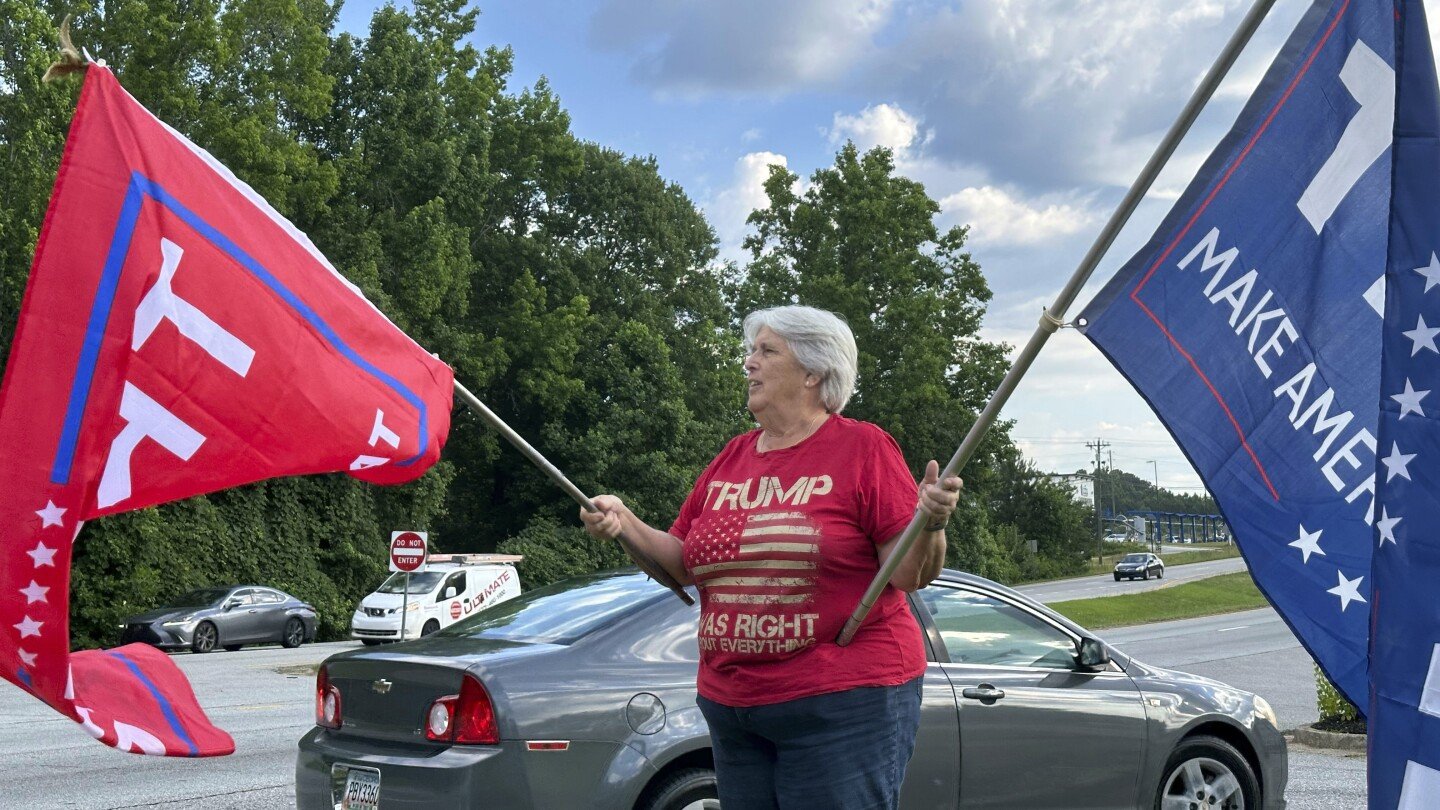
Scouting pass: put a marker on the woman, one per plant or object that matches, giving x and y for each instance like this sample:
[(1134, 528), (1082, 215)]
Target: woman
[(782, 534)]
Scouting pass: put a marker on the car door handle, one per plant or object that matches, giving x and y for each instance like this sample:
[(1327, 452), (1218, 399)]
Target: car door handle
[(985, 693)]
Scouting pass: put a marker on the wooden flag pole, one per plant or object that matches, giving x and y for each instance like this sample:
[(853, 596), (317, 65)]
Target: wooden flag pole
[(647, 564), (1053, 318)]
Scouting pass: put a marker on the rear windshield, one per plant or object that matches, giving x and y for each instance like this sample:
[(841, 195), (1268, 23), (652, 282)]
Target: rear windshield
[(562, 612), (201, 598), (1134, 558), (423, 582)]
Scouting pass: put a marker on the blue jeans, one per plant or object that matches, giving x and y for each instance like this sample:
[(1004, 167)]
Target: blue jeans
[(845, 750)]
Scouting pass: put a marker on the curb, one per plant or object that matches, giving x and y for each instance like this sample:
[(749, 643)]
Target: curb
[(1315, 738)]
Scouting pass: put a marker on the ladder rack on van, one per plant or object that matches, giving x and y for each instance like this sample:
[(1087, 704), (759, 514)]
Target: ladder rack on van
[(476, 559)]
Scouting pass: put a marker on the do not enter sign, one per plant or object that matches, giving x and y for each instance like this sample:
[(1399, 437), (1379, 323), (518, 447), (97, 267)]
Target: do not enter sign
[(408, 551)]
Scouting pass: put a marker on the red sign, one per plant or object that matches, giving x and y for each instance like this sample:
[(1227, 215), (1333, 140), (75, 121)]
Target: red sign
[(454, 610), (408, 551)]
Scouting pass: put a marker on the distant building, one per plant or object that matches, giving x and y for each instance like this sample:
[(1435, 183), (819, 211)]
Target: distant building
[(1081, 486)]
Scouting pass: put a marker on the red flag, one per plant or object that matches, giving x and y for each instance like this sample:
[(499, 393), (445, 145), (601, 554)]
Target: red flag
[(178, 336)]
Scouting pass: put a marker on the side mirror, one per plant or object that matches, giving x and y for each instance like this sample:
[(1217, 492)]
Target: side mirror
[(230, 603), (1091, 654)]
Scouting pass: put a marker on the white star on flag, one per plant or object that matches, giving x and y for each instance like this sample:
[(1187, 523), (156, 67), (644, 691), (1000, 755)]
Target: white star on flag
[(51, 515), (1409, 399), (1309, 543), (35, 593), (42, 555), (27, 657), (1386, 525), (28, 627), (1396, 462), (1422, 337), (1430, 272), (1348, 590)]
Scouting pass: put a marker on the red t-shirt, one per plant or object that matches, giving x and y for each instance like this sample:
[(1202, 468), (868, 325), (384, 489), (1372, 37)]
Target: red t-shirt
[(782, 545)]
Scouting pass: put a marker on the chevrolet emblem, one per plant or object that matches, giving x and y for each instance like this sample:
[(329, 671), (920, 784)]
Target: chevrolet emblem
[(381, 686)]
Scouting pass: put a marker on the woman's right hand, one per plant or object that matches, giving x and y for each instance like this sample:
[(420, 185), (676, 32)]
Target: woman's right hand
[(604, 524)]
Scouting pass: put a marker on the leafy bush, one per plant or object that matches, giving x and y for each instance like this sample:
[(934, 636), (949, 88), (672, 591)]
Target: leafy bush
[(1334, 708)]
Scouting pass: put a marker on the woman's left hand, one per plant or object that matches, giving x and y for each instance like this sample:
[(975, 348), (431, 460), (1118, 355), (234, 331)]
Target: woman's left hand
[(938, 498)]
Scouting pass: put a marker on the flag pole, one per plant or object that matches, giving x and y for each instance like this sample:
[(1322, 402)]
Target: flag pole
[(1052, 318), (647, 564)]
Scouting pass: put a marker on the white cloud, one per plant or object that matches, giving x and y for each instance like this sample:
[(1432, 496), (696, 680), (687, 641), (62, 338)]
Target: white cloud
[(697, 47), (751, 135), (877, 125), (1050, 94), (728, 209), (999, 218)]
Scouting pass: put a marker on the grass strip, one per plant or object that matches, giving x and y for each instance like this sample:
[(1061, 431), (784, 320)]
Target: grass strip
[(1226, 593)]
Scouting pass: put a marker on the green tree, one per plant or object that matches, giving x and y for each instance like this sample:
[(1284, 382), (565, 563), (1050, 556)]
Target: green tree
[(1040, 513)]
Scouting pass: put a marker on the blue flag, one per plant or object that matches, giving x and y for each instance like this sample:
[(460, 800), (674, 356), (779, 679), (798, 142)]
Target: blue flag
[(1277, 324), (1405, 642)]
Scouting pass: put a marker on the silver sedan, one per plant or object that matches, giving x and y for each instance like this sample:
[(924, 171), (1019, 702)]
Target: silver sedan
[(582, 694)]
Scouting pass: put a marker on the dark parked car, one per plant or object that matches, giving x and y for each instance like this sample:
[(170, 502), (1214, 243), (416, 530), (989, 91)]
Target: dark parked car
[(1139, 566), (582, 694), (229, 616)]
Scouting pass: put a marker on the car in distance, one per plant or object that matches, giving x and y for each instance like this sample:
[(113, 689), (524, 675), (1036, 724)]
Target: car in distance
[(449, 588), (228, 616), (1139, 566), (582, 694)]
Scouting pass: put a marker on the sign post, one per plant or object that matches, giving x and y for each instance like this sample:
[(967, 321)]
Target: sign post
[(408, 552)]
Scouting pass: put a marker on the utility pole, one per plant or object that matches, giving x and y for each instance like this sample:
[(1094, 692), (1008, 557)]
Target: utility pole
[(1098, 445), (1114, 512)]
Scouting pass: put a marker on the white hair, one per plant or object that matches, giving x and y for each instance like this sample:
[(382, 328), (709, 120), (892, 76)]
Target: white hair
[(820, 341)]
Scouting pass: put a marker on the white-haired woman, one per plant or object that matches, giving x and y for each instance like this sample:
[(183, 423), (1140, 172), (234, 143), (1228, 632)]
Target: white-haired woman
[(782, 534)]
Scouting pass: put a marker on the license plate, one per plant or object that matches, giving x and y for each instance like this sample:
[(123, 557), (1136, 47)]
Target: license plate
[(362, 790)]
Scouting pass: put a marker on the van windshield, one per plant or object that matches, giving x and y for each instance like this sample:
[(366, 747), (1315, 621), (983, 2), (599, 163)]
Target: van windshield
[(423, 582)]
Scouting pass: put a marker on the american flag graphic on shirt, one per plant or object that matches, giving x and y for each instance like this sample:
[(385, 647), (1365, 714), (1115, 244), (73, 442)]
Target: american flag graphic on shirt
[(758, 558)]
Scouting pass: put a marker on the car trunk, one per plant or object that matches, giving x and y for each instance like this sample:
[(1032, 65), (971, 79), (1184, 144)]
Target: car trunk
[(386, 694)]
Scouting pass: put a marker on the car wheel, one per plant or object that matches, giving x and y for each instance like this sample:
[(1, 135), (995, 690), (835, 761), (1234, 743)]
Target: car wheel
[(205, 638), (1145, 574), (686, 789), (294, 633), (1160, 574), (430, 627), (233, 647), (1207, 772), (1117, 577)]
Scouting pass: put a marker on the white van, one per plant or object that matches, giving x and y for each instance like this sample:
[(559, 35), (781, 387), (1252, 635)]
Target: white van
[(451, 587)]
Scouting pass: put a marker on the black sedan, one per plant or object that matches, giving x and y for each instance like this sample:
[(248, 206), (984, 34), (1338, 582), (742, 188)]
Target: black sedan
[(1139, 566), (582, 694), (229, 616)]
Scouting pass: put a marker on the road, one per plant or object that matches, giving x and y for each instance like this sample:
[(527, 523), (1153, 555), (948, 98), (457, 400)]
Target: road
[(1105, 585), (265, 698)]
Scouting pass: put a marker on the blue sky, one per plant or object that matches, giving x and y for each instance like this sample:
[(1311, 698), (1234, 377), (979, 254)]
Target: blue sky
[(1026, 119)]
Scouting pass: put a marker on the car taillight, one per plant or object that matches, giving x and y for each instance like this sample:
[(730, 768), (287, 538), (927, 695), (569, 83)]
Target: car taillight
[(327, 701), (467, 717)]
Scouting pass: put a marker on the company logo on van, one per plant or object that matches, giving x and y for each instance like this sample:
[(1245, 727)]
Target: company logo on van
[(467, 606)]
